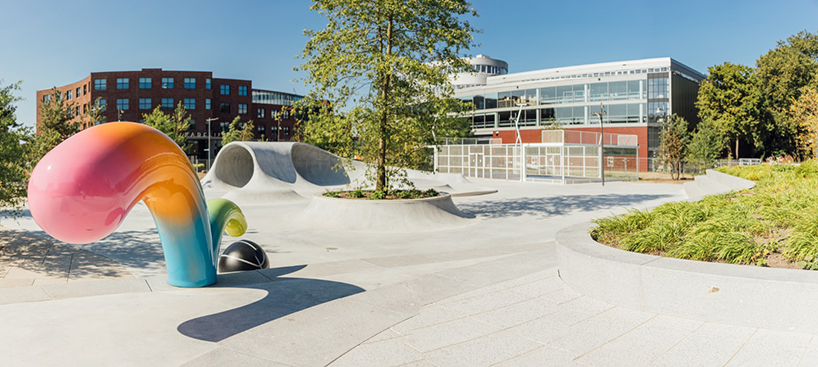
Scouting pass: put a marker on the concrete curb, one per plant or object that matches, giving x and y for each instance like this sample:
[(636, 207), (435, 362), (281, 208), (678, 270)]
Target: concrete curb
[(713, 183), (407, 215), (780, 299)]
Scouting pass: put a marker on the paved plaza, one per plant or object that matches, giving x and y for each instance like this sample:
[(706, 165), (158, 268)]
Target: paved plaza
[(483, 293)]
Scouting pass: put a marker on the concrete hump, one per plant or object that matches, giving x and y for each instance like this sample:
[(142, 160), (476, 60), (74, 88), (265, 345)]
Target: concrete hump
[(259, 172)]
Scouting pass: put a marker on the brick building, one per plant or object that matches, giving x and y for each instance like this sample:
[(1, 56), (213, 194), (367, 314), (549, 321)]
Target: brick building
[(128, 95)]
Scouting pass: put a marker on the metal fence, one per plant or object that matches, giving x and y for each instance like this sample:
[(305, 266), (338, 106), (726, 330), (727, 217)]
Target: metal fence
[(538, 162)]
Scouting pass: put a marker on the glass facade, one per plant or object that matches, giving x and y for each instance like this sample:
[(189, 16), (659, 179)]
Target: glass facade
[(623, 101), (269, 97)]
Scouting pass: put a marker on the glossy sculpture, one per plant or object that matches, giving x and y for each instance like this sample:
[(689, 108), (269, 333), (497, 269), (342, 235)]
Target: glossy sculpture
[(83, 189)]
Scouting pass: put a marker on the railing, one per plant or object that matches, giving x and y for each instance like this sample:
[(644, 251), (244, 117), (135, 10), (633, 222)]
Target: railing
[(587, 138)]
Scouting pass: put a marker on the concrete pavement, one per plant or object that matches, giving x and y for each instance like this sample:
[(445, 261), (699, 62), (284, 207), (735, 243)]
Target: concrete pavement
[(483, 294)]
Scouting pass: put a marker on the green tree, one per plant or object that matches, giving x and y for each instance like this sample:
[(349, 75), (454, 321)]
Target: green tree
[(384, 67), (174, 125), (57, 123), (673, 144), (706, 145), (239, 131), (15, 141), (731, 100), (782, 73), (804, 112)]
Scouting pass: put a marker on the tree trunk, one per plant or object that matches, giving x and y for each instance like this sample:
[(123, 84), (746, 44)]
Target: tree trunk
[(736, 148), (381, 183)]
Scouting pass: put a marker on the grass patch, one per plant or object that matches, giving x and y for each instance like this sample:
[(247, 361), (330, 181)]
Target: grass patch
[(777, 218)]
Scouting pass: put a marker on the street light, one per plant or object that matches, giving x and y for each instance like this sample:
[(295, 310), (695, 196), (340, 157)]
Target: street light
[(601, 141), (208, 140)]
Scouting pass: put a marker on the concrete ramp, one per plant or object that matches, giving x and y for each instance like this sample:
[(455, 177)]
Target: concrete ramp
[(263, 172)]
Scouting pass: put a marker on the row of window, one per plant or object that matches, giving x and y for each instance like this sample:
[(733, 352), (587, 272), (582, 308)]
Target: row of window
[(225, 126), (190, 104), (261, 112), (587, 92), (167, 83), (615, 113), (69, 94)]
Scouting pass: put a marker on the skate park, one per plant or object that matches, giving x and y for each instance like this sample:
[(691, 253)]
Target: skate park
[(471, 280)]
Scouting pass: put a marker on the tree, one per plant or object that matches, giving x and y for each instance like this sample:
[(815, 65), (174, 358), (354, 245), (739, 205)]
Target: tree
[(384, 67), (782, 73), (804, 112), (57, 123), (706, 144), (239, 131), (175, 125), (15, 140), (673, 144), (731, 100)]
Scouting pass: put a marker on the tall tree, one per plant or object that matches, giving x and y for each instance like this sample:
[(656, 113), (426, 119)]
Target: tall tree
[(384, 66), (782, 73), (175, 125), (57, 123), (804, 112), (730, 98), (239, 131), (15, 140), (673, 144), (706, 145)]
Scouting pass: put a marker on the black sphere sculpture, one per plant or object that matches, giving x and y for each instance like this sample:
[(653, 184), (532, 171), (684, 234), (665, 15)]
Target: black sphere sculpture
[(242, 256)]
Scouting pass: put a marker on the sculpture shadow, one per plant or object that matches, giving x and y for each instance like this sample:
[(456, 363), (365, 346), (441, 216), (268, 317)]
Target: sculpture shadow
[(284, 296), (543, 208)]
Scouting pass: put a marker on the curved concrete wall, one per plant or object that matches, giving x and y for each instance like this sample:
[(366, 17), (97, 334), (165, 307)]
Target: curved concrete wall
[(386, 215), (781, 299)]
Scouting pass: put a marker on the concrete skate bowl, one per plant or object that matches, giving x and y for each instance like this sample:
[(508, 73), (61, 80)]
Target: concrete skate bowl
[(404, 215), (263, 172)]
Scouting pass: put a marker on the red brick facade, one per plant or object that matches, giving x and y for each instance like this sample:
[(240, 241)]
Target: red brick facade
[(234, 95)]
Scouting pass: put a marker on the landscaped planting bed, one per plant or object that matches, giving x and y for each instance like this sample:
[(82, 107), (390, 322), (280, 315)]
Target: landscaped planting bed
[(774, 224)]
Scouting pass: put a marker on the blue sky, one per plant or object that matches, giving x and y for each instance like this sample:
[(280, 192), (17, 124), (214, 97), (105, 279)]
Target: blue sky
[(56, 42)]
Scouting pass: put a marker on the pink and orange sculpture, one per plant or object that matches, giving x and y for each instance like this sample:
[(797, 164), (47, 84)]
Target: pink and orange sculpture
[(83, 189)]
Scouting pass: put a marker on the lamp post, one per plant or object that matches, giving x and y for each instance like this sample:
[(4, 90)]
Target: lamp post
[(119, 113), (208, 140), (601, 142)]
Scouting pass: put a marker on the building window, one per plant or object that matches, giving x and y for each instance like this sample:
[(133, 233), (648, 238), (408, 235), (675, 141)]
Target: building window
[(207, 103), (100, 84), (122, 83), (225, 126), (46, 98), (260, 113), (190, 103), (657, 88), (167, 102), (190, 83), (207, 83), (68, 95), (167, 83), (144, 83), (242, 109), (78, 92), (242, 90), (261, 129), (122, 104), (286, 130), (77, 111), (224, 89), (85, 89), (224, 107), (286, 114), (144, 103), (101, 104)]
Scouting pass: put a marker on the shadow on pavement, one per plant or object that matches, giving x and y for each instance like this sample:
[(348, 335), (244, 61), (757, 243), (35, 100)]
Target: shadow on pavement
[(542, 208), (284, 296)]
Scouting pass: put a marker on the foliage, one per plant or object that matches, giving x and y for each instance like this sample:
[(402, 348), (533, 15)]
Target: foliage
[(14, 144), (380, 75), (780, 215), (705, 145), (730, 99), (175, 125), (360, 193), (239, 131), (804, 113), (673, 144), (57, 123)]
